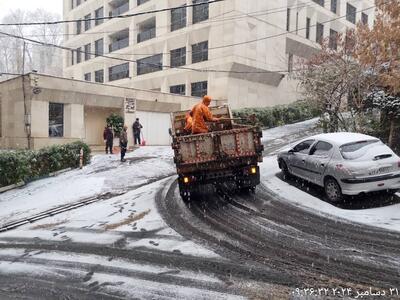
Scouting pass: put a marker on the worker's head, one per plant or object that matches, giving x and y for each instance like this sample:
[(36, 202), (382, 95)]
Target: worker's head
[(207, 100), (125, 128), (137, 119)]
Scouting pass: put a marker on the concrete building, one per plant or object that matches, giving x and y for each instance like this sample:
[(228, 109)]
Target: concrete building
[(41, 110), (237, 51)]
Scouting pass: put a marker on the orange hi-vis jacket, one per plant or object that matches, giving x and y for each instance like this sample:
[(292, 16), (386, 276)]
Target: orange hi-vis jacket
[(189, 122), (201, 114)]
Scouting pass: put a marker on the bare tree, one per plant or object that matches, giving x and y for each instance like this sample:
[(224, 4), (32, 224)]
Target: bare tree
[(41, 58), (333, 77)]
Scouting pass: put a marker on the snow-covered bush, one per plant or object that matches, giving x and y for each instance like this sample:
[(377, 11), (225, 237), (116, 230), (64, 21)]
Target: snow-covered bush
[(279, 115), (27, 165)]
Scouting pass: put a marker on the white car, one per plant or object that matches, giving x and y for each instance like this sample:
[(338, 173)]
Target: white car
[(343, 163)]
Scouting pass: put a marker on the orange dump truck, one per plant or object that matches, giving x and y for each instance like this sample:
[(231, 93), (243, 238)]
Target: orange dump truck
[(228, 152)]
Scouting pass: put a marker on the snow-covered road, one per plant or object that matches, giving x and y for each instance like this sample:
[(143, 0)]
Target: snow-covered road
[(123, 247)]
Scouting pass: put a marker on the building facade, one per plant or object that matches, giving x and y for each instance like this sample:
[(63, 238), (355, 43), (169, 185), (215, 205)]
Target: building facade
[(239, 52), (40, 110)]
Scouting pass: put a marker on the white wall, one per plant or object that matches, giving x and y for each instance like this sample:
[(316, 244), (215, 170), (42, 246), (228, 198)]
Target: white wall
[(155, 127)]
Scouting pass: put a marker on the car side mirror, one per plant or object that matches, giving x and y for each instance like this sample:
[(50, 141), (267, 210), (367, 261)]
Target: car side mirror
[(291, 151)]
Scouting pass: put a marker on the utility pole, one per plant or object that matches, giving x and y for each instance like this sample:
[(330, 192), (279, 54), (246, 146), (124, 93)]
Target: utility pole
[(27, 118)]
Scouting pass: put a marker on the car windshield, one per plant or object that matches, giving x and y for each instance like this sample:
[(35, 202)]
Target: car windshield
[(357, 149)]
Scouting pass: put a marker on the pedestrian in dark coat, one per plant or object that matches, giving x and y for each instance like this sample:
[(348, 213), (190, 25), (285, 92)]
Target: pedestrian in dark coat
[(136, 128), (123, 142), (108, 137)]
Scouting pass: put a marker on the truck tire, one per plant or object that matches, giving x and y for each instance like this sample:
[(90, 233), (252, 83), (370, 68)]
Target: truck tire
[(184, 192)]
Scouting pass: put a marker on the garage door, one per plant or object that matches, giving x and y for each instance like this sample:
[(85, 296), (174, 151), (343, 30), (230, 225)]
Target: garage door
[(155, 127)]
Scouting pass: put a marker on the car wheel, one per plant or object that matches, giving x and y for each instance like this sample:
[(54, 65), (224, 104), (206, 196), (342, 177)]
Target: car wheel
[(333, 190), (285, 169)]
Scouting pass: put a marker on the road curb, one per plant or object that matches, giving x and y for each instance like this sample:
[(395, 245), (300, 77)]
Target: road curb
[(10, 187), (22, 183)]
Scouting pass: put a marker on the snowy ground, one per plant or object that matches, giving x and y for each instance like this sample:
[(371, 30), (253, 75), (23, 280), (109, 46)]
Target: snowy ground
[(104, 175), (129, 220), (385, 217)]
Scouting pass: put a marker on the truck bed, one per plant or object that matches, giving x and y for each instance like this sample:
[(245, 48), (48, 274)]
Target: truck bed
[(226, 146)]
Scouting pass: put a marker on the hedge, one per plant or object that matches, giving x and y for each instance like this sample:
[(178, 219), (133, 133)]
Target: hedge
[(279, 115), (27, 165)]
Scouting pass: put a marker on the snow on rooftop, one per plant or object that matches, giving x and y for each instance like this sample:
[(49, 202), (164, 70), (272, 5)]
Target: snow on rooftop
[(341, 138)]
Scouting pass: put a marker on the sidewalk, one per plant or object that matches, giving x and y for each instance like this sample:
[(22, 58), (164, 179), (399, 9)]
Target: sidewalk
[(105, 174)]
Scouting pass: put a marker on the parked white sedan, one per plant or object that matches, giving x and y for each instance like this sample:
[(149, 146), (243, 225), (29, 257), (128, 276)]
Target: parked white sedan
[(343, 163)]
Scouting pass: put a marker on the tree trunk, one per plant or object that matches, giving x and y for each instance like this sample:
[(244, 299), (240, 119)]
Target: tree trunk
[(391, 132)]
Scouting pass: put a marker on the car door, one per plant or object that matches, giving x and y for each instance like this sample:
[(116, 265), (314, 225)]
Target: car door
[(317, 161), (297, 158)]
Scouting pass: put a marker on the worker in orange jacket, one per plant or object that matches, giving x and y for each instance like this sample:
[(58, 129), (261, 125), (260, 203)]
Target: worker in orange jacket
[(202, 114)]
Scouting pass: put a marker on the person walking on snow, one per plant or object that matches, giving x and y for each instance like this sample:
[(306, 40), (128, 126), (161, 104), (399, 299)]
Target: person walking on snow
[(202, 114), (108, 137), (123, 142), (136, 128)]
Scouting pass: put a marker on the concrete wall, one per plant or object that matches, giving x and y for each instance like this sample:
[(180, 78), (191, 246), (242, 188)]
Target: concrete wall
[(13, 134)]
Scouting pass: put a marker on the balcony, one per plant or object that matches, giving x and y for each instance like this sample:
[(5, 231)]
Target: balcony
[(146, 35), (119, 9), (118, 45)]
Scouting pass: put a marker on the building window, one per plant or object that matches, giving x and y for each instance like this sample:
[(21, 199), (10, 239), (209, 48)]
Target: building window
[(140, 2), (88, 22), (149, 64), (78, 27), (72, 4), (199, 52), (290, 63), (78, 2), (119, 40), (87, 51), (88, 76), (119, 8), (199, 89), (288, 19), (147, 30), (351, 13), (99, 47), (78, 55), (333, 36), (334, 6), (178, 89), (200, 12), (320, 33), (72, 57), (364, 18), (56, 120), (308, 24), (320, 2), (99, 76), (178, 57), (99, 13), (178, 18), (118, 72)]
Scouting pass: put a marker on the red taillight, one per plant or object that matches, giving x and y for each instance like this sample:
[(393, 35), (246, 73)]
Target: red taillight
[(343, 169)]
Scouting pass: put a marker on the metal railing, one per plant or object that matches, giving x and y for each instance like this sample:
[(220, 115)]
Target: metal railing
[(118, 45), (119, 10), (146, 35)]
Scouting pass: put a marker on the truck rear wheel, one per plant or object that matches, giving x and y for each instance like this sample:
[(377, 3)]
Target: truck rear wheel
[(184, 191)]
